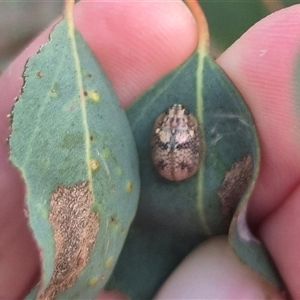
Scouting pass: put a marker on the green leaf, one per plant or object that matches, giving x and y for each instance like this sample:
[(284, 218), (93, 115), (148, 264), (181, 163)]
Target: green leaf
[(73, 144), (173, 217), (229, 138)]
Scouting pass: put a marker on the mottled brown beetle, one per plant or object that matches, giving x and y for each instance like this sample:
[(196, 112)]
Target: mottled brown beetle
[(176, 144)]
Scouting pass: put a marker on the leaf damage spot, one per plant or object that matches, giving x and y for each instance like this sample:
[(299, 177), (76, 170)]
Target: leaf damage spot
[(53, 93), (235, 184), (75, 229), (40, 74), (95, 96), (129, 187), (114, 220), (109, 263), (92, 95), (94, 164), (93, 281)]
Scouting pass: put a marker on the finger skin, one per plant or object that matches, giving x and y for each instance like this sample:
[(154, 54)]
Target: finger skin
[(280, 232), (262, 64), (213, 271), (136, 43)]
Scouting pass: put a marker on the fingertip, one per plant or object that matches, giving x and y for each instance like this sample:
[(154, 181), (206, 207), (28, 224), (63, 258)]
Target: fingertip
[(280, 233), (213, 271)]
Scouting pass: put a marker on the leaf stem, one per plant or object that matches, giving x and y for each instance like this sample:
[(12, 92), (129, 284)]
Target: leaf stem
[(203, 32), (69, 12)]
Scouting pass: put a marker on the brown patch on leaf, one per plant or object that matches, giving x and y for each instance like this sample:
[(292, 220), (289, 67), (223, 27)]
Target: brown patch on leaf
[(235, 185), (75, 229)]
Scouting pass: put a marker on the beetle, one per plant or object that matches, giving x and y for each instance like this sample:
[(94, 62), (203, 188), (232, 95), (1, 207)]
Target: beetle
[(176, 144)]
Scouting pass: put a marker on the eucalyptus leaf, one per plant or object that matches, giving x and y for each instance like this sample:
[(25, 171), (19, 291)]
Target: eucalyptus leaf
[(73, 144), (173, 217)]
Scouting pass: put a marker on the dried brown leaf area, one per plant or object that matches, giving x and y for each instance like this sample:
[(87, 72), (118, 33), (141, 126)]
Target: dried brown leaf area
[(75, 229), (235, 184)]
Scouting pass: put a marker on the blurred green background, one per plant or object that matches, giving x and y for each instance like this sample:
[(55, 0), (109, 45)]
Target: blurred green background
[(21, 21)]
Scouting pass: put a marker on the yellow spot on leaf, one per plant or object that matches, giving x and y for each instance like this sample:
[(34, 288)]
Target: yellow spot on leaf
[(94, 164), (129, 187), (92, 95), (95, 96), (40, 74), (110, 263), (93, 281)]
